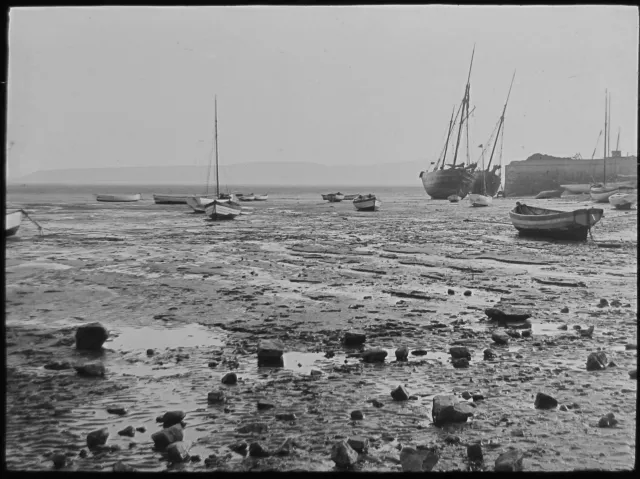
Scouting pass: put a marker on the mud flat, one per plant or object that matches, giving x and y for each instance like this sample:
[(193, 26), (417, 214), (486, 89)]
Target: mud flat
[(187, 301)]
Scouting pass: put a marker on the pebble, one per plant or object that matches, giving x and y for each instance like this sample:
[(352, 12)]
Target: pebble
[(564, 310), (450, 291), (128, 431), (596, 361), (357, 415), (212, 364), (402, 353), (467, 293), (91, 336), (215, 397), (343, 454), (603, 303), (141, 429), (98, 437), (119, 410), (399, 394), (150, 352), (510, 461), (419, 352), (167, 436), (500, 337), (544, 401), (230, 379), (177, 451)]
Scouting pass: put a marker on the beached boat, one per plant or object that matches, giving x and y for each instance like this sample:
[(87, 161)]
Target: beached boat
[(249, 197), (351, 197), (549, 194), (334, 197), (624, 200), (454, 198), (170, 199), (199, 203), (367, 203), (576, 189), (571, 225), (457, 179), (601, 194), (119, 198), (480, 200), (223, 206), (264, 197), (12, 222)]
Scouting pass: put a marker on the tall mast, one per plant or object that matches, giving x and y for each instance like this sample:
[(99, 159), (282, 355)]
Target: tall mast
[(444, 157), (216, 137), (609, 125), (504, 110), (618, 142), (604, 158), (209, 173), (465, 104)]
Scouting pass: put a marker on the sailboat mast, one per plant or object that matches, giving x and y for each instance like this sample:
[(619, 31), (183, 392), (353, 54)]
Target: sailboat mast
[(209, 173), (444, 157), (618, 142), (465, 104), (216, 143), (504, 110), (609, 125), (604, 158)]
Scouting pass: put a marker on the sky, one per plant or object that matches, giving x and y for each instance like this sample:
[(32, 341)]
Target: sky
[(135, 86)]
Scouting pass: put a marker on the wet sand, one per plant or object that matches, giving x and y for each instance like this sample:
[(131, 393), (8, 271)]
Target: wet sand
[(202, 294)]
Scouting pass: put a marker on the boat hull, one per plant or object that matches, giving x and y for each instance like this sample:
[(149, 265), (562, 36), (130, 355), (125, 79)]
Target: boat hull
[(334, 198), (351, 197), (485, 181), (119, 198), (198, 203), (623, 201), (367, 204), (540, 222), (453, 198), (601, 195), (12, 222), (170, 199), (576, 189), (261, 197), (441, 184), (219, 210), (549, 194), (480, 200)]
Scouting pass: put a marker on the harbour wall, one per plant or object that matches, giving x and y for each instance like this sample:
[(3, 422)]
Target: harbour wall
[(542, 172)]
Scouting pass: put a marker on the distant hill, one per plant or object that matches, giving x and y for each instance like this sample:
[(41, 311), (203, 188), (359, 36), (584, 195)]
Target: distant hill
[(271, 173)]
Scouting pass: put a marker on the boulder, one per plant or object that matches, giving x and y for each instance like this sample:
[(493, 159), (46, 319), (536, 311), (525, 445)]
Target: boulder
[(402, 353), (91, 336), (357, 415), (128, 431), (164, 438), (92, 369), (375, 355), (354, 338), (359, 443), (229, 379), (177, 451), (596, 361), (257, 450), (270, 350), (400, 394), (507, 313), (460, 362), (509, 461), (474, 452), (446, 409), (500, 337), (98, 437), (460, 352), (418, 459), (343, 454), (544, 401), (172, 417), (215, 397)]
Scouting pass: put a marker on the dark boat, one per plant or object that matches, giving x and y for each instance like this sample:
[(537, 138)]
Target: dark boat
[(541, 222)]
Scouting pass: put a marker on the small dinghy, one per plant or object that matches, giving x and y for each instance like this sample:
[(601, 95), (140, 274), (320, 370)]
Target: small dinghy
[(119, 198), (367, 203), (199, 203), (601, 194), (170, 199), (541, 222), (480, 200), (543, 195), (264, 197), (335, 197), (12, 222), (623, 200)]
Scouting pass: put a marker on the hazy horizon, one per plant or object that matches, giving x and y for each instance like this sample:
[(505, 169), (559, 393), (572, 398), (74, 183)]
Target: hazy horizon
[(134, 86)]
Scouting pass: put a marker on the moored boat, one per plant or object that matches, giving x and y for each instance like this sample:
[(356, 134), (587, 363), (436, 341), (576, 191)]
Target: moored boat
[(351, 197), (249, 197), (480, 200), (601, 194), (119, 198), (542, 222), (576, 189), (170, 199), (549, 194), (453, 198), (12, 222), (198, 203), (264, 197), (367, 203), (335, 197), (623, 200)]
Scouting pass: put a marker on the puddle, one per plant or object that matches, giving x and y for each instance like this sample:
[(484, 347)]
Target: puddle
[(128, 338)]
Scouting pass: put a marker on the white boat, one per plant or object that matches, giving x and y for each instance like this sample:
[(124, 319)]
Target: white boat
[(170, 199), (576, 189), (351, 197), (367, 203), (480, 200), (12, 222), (264, 197), (249, 197), (567, 225), (119, 198), (601, 194), (198, 203), (624, 201), (334, 197)]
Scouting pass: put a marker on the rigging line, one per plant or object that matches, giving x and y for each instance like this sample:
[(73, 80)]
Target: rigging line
[(451, 127)]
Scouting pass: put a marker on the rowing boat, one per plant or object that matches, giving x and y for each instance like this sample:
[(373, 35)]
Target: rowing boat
[(119, 198), (601, 194), (12, 222), (549, 194), (623, 201), (572, 225), (480, 200), (367, 203)]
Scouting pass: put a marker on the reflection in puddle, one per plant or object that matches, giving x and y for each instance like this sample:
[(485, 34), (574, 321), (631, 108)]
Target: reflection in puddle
[(127, 338)]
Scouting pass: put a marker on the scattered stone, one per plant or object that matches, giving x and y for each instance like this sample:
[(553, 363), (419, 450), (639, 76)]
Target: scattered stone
[(253, 427), (216, 397), (450, 291), (58, 365), (167, 436), (446, 409), (357, 415), (286, 448), (229, 379), (59, 460), (507, 313), (419, 352), (631, 346), (343, 454), (141, 429), (91, 336), (92, 369), (270, 349), (474, 452), (354, 338), (128, 431), (544, 401), (500, 337), (123, 467), (177, 451), (288, 416), (359, 443), (489, 354), (510, 461), (603, 303), (265, 405), (460, 363), (212, 364), (172, 417), (596, 361), (451, 439), (633, 374), (399, 394), (564, 310), (98, 437), (119, 410), (402, 353), (239, 447), (377, 403), (608, 421), (150, 352), (468, 293), (460, 352), (418, 460), (374, 355)]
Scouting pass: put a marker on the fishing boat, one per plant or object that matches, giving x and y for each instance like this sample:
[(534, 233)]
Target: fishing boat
[(264, 197), (549, 194), (624, 200), (12, 222), (457, 179), (119, 198), (325, 197), (170, 199), (367, 203), (351, 197), (453, 198), (223, 206), (334, 197), (570, 225)]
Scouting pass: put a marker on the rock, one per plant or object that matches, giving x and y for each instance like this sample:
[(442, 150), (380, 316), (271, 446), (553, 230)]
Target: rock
[(612, 364), (596, 361), (466, 395), (477, 397), (377, 403), (633, 374), (59, 460), (270, 349), (474, 452), (460, 362), (450, 291), (563, 327), (400, 394), (418, 460), (265, 405), (150, 352), (467, 293), (563, 408), (507, 313), (544, 401), (510, 461), (343, 454), (359, 443), (216, 397), (513, 333), (329, 354), (587, 333), (402, 353), (489, 354), (257, 450), (119, 410), (608, 421), (128, 431), (58, 365), (141, 429), (446, 409), (123, 467), (164, 438), (631, 346), (195, 458), (229, 379), (92, 369), (253, 427), (564, 310), (98, 437), (375, 355), (451, 439), (357, 415), (500, 337), (286, 416), (177, 451), (460, 352), (212, 364), (172, 417), (517, 433), (352, 338), (603, 303), (239, 447), (419, 352), (526, 333), (91, 336), (315, 373)]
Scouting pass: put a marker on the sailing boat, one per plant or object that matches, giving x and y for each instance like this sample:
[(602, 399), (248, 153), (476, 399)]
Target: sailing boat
[(482, 198), (600, 193), (487, 182), (223, 206), (457, 179)]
